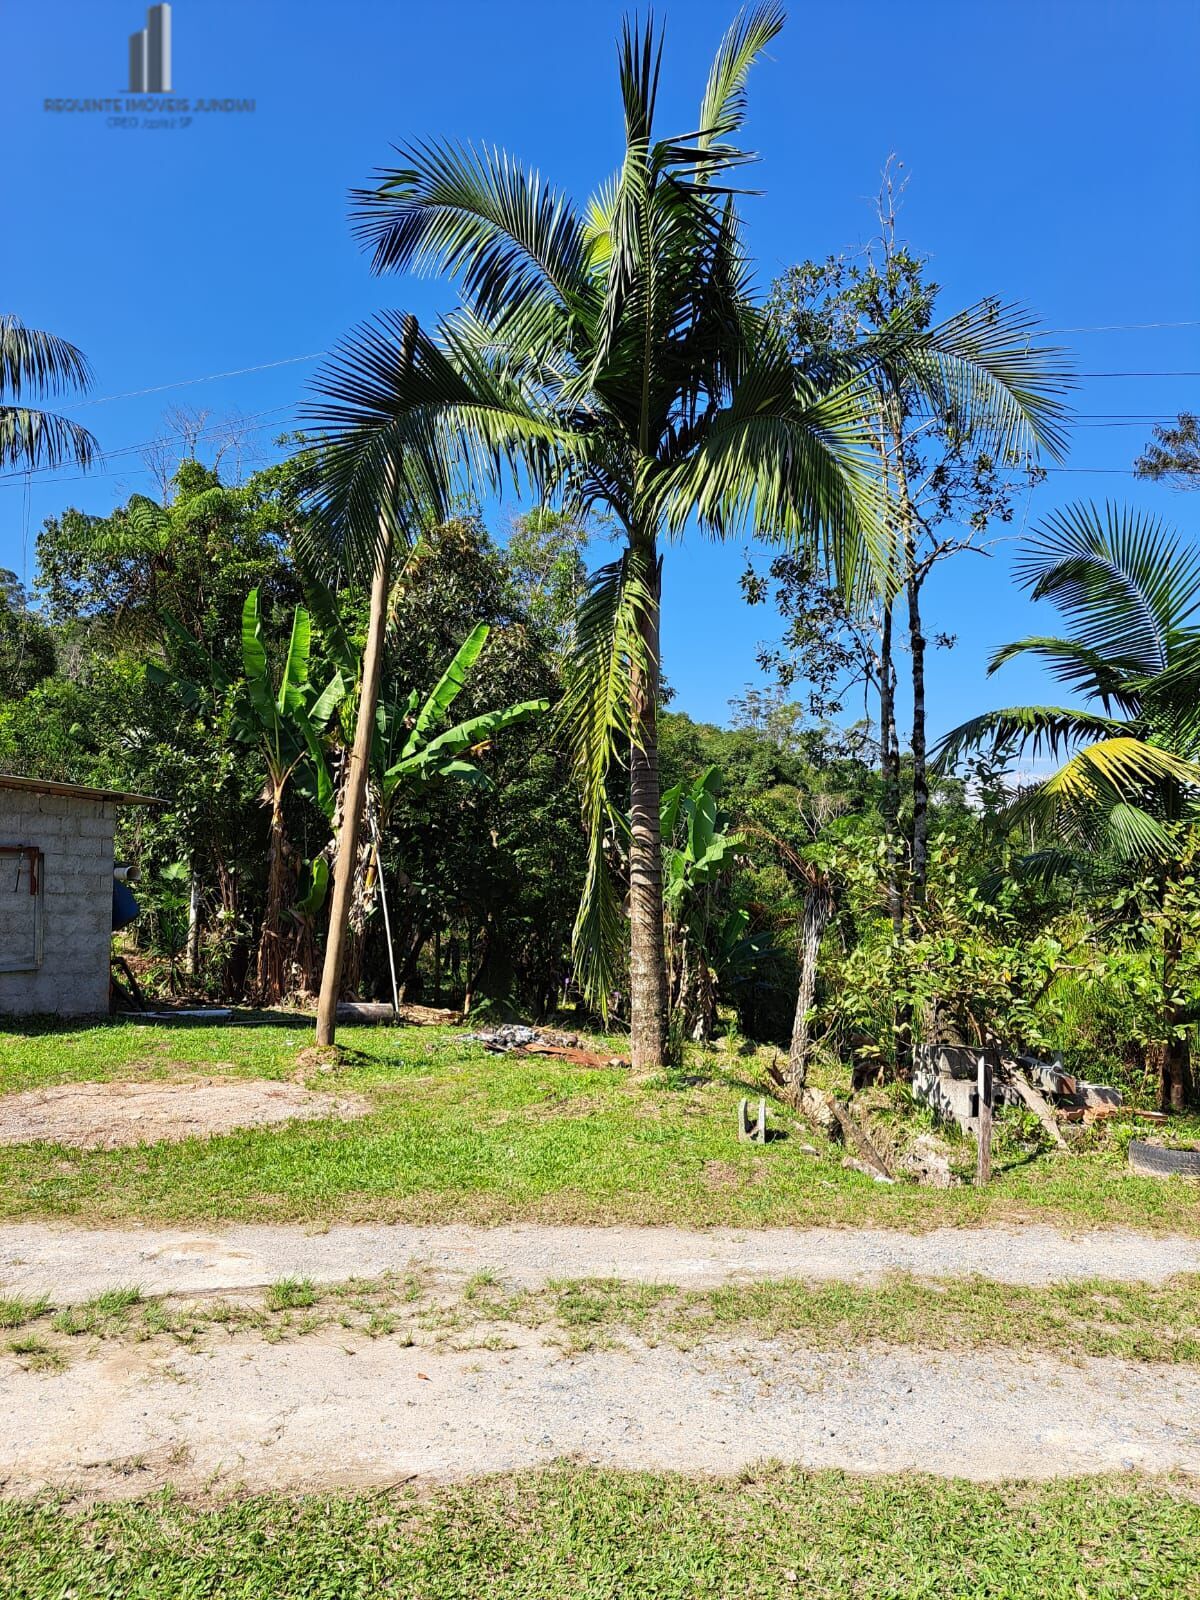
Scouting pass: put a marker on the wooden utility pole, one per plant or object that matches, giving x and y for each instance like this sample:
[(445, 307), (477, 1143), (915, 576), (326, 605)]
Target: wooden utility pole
[(355, 790)]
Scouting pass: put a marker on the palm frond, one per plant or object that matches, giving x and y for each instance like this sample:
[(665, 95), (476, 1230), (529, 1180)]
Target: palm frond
[(723, 109), (595, 723), (791, 462), (42, 362), (43, 439), (1078, 666), (396, 434), (1121, 578), (1044, 867), (1039, 729), (1000, 384), (1122, 767), (477, 216), (1093, 819)]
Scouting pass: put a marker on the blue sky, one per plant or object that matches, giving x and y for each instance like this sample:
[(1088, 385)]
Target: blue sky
[(1052, 148)]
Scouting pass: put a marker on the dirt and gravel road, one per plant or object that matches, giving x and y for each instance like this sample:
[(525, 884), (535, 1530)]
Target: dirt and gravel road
[(336, 1407), (322, 1412), (72, 1264)]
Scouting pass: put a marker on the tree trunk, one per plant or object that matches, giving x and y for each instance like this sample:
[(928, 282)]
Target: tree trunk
[(193, 933), (647, 960), (418, 937), (918, 867), (346, 864), (889, 750), (1177, 1087), (818, 908), (271, 973), (1177, 1075)]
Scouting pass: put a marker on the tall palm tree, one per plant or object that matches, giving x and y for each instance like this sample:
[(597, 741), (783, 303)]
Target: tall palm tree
[(1128, 792), (620, 358), (41, 363)]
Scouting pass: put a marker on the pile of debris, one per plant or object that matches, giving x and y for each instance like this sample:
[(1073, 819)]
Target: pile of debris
[(953, 1080), (514, 1038), (946, 1078)]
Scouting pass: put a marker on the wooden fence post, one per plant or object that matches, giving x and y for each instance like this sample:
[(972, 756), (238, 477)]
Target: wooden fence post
[(983, 1127)]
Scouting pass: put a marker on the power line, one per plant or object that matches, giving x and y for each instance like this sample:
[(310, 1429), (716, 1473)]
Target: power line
[(211, 377), (1123, 327), (315, 355)]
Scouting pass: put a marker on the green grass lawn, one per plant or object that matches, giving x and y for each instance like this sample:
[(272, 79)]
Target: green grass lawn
[(458, 1135), (591, 1535)]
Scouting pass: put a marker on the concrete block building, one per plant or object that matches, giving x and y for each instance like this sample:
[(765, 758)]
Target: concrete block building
[(56, 895)]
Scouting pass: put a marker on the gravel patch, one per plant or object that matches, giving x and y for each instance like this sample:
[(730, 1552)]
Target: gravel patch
[(72, 1264), (323, 1413), (106, 1116)]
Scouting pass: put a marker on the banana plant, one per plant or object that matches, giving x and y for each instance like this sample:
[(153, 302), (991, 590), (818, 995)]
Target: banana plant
[(704, 944), (706, 849), (286, 724), (424, 753), (411, 747)]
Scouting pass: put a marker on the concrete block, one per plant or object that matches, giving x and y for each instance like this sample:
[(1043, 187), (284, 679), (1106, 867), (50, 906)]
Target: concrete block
[(30, 829), (52, 805)]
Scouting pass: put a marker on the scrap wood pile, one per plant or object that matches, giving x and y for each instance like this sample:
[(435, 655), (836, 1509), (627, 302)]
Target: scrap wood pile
[(513, 1038)]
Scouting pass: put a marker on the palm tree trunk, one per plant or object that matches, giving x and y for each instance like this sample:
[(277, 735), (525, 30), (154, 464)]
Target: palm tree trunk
[(193, 933), (647, 956), (919, 857), (358, 766)]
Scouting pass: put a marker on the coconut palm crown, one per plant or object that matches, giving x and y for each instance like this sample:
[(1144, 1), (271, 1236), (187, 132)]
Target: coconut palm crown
[(618, 358)]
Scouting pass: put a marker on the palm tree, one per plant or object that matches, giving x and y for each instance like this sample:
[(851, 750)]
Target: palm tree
[(44, 364), (619, 358), (1129, 791)]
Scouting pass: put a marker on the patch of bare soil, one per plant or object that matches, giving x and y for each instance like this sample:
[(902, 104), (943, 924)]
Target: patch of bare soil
[(107, 1116)]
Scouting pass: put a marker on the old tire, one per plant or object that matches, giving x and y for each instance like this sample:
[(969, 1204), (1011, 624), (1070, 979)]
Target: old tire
[(1153, 1161)]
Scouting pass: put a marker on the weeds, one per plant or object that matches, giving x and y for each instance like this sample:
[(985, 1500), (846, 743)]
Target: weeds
[(17, 1310)]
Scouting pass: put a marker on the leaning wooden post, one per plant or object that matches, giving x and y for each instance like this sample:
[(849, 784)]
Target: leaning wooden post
[(355, 789), (983, 1126)]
